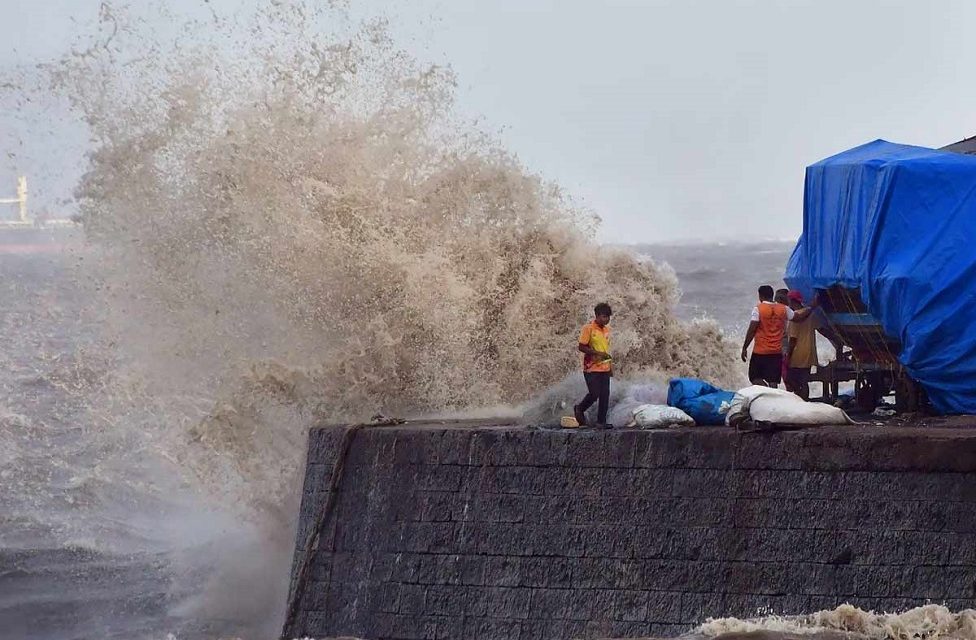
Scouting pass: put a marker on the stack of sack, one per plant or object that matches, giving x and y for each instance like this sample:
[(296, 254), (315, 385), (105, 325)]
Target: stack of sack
[(690, 402), (694, 402)]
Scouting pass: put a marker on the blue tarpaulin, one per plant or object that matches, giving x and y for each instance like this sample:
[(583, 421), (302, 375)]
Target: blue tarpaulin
[(700, 400), (899, 223)]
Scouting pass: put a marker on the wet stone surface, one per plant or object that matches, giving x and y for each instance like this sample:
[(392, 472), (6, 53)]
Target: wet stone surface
[(487, 530)]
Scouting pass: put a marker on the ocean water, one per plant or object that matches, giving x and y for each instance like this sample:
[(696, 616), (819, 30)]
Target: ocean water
[(256, 184), (88, 553), (93, 542)]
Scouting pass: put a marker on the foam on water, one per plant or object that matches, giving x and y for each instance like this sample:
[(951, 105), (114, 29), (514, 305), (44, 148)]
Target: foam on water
[(929, 622)]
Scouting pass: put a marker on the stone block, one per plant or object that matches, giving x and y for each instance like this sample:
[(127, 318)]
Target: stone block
[(386, 598), (350, 567), (454, 447), (510, 603), (652, 542), (923, 547), (630, 605), (621, 448), (546, 448), (587, 449), (438, 506), (667, 630), (462, 570), (664, 607), (698, 449), (449, 627), (503, 571), (697, 607), (516, 480), (664, 575), (960, 583), (652, 484), (961, 517), (414, 447), (769, 451), (885, 582), (323, 443), (498, 448), (492, 628), (628, 629), (829, 580), (607, 573), (434, 477), (705, 483), (444, 600), (962, 548), (708, 576), (412, 599), (582, 483), (930, 582), (405, 567)]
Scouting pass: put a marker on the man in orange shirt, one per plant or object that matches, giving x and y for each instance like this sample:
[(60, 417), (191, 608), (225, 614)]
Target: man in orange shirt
[(768, 327), (594, 343)]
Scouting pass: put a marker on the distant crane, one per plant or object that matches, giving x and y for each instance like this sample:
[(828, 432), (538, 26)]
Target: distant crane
[(20, 201), (23, 221)]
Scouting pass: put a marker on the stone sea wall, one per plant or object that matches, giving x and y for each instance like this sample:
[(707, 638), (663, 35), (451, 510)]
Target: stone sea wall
[(486, 530)]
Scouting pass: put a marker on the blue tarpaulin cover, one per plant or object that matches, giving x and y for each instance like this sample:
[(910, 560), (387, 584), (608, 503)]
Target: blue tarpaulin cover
[(700, 400), (899, 223)]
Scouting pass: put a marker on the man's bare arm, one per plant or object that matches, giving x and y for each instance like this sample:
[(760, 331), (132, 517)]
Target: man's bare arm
[(802, 314), (590, 351), (789, 349), (750, 334)]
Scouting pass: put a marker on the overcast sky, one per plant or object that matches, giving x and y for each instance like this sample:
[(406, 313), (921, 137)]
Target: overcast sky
[(673, 120)]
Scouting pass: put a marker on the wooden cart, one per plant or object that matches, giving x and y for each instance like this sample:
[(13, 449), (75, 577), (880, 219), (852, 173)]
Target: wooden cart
[(869, 358)]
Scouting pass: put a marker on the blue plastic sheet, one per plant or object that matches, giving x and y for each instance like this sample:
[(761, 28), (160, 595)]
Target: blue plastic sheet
[(699, 400), (899, 223)]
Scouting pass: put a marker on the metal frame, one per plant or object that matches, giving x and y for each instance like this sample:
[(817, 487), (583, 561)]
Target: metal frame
[(870, 361)]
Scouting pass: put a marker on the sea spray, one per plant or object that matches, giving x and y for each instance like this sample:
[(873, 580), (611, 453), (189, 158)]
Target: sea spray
[(288, 224), (288, 220), (929, 622)]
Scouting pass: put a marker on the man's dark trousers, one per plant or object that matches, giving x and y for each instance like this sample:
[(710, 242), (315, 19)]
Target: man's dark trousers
[(598, 388)]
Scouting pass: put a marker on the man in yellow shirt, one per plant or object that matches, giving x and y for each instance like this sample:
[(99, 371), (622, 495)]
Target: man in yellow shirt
[(801, 351), (594, 344)]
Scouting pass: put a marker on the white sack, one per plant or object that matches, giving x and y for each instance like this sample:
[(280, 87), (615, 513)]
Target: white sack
[(649, 416), (776, 406)]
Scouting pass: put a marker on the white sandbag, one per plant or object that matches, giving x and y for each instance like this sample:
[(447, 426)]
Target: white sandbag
[(649, 416), (776, 406)]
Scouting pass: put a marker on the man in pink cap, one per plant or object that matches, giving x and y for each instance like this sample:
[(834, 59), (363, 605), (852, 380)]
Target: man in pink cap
[(801, 350)]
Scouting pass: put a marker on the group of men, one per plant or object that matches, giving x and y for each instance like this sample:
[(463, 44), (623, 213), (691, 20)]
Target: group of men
[(785, 334), (783, 327)]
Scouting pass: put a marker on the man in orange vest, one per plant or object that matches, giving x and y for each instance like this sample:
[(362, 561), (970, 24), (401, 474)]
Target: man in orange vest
[(767, 327), (594, 343)]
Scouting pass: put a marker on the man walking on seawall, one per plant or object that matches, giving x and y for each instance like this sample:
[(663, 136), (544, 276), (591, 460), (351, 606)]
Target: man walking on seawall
[(767, 327), (594, 343)]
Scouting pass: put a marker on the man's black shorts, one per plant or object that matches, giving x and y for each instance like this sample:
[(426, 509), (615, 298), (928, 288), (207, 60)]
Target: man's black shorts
[(768, 367)]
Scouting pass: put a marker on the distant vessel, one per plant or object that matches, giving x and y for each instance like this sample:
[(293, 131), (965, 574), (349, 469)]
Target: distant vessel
[(26, 235)]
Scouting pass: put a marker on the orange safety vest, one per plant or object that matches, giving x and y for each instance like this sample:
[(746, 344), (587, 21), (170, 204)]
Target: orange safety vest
[(772, 327)]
